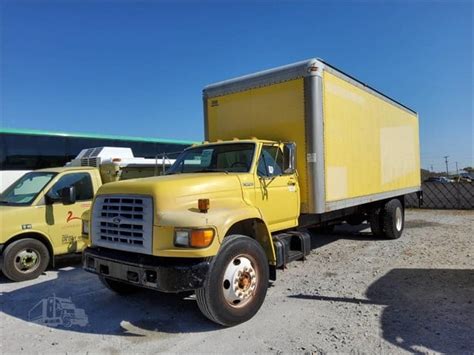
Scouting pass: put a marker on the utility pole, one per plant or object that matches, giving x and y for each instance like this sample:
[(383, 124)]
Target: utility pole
[(457, 170), (446, 161), (431, 167)]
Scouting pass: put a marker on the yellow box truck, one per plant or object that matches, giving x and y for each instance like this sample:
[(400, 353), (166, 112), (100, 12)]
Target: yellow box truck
[(40, 213), (298, 146)]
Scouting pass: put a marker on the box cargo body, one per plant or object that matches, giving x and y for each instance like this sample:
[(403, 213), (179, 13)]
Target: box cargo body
[(354, 144)]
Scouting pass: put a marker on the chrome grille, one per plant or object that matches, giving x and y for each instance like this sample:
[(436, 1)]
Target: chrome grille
[(123, 222)]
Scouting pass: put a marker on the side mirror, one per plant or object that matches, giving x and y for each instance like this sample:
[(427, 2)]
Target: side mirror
[(289, 158), (68, 195)]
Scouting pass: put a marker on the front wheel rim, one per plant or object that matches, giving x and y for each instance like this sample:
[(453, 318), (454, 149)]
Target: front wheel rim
[(240, 281), (398, 219), (27, 261)]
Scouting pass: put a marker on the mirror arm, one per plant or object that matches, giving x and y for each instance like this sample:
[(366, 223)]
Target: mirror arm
[(48, 199)]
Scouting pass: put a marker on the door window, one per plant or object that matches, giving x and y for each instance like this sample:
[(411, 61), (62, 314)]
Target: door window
[(270, 162), (82, 183)]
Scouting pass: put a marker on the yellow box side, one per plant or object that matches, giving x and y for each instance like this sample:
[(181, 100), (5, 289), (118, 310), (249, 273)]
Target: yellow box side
[(274, 112), (371, 146)]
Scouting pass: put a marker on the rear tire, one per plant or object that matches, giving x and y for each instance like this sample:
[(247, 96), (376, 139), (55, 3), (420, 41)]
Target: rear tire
[(25, 259), (376, 221), (118, 287), (237, 282), (393, 219)]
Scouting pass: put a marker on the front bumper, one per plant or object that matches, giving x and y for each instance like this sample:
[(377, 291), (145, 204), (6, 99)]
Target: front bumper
[(158, 273)]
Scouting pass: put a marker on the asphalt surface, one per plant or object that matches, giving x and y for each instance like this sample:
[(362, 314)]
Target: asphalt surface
[(354, 293)]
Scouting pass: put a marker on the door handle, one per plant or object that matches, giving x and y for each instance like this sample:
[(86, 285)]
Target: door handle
[(291, 183)]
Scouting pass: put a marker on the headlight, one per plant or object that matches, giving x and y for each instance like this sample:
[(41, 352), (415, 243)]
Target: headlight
[(85, 227), (181, 238), (193, 238)]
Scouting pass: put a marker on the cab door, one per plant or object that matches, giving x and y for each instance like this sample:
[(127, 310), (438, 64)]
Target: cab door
[(276, 193), (64, 220)]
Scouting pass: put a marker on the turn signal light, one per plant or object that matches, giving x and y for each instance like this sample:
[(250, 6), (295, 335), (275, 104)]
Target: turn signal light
[(203, 205), (201, 238)]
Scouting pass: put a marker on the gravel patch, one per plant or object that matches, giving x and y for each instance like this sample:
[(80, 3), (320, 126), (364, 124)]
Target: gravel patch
[(353, 293)]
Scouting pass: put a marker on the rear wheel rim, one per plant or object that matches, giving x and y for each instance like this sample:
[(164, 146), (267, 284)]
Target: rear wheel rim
[(240, 281), (398, 219), (27, 261)]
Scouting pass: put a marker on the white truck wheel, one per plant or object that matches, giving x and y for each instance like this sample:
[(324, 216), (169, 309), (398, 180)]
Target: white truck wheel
[(393, 219), (25, 259), (237, 282)]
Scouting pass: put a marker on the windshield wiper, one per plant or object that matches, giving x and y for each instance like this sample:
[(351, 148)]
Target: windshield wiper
[(209, 170), (205, 170)]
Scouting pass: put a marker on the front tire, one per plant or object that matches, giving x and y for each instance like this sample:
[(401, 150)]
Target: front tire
[(237, 282), (25, 259)]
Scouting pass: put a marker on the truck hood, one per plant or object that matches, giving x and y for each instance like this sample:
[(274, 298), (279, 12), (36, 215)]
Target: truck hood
[(12, 218), (179, 190)]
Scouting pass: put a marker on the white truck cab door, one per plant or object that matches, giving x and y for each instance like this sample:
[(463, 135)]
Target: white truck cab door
[(276, 193), (64, 221)]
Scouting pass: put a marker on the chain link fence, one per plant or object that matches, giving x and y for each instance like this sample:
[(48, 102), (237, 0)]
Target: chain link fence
[(437, 195)]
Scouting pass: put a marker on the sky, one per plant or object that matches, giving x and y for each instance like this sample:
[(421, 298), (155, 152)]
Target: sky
[(138, 67)]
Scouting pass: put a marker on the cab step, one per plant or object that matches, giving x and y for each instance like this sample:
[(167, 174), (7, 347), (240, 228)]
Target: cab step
[(291, 246)]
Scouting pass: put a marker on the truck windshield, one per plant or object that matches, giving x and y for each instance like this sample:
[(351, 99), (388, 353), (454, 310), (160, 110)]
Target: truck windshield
[(230, 157), (25, 189)]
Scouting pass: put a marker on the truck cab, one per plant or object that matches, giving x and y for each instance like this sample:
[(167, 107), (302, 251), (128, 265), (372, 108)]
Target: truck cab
[(168, 232), (265, 176), (41, 217), (41, 211)]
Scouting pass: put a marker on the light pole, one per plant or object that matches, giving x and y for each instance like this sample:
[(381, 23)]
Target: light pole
[(446, 161)]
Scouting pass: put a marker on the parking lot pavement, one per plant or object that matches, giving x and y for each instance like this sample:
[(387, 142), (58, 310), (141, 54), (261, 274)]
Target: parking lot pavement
[(353, 293)]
